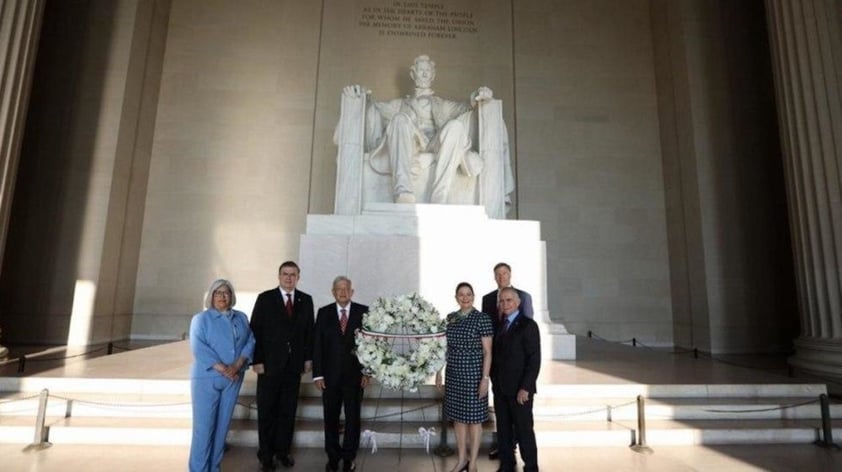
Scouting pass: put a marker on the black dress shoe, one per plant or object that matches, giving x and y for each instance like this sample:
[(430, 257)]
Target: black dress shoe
[(267, 466), (331, 467), (493, 453), (348, 466), (287, 461)]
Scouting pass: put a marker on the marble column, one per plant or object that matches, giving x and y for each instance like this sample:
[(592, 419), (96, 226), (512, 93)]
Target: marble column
[(20, 25), (807, 65)]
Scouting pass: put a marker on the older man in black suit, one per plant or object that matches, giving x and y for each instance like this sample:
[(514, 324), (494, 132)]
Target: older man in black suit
[(490, 306), (338, 374), (515, 364), (282, 322)]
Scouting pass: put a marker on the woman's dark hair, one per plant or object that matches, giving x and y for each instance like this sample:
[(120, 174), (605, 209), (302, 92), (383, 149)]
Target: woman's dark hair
[(464, 284)]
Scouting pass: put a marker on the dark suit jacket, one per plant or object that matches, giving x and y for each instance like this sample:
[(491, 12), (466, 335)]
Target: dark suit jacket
[(489, 305), (333, 353), (516, 358), (282, 341)]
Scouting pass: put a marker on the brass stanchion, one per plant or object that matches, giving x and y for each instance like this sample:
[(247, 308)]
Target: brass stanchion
[(827, 429), (641, 429), (42, 431)]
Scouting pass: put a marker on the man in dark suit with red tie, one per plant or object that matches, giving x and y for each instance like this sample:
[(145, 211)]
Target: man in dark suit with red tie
[(338, 374), (515, 363), (282, 322)]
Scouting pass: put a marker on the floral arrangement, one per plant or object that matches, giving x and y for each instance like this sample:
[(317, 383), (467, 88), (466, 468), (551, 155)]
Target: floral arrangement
[(402, 342)]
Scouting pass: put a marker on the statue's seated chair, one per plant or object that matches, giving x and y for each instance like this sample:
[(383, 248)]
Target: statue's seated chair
[(365, 178)]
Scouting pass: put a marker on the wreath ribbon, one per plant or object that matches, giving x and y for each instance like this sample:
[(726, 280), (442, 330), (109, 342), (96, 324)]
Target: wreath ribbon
[(377, 334), (371, 436), (426, 434)]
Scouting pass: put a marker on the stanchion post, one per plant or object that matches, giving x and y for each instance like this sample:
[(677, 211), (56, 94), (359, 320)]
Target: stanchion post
[(634, 342), (827, 429), (443, 450), (641, 429), (22, 363), (42, 431), (695, 353), (590, 333), (110, 348)]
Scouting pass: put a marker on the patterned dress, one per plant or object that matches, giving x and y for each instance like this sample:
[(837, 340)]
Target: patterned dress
[(464, 367)]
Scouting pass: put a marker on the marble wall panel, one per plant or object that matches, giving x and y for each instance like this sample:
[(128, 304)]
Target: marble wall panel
[(589, 164), (229, 176)]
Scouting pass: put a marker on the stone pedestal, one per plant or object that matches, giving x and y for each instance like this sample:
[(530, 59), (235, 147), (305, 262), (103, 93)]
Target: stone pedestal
[(392, 249)]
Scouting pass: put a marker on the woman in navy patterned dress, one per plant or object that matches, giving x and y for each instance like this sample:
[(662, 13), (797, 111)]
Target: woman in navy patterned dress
[(469, 335)]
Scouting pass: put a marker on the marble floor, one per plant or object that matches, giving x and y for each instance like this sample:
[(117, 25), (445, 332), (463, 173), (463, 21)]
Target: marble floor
[(800, 458), (598, 362)]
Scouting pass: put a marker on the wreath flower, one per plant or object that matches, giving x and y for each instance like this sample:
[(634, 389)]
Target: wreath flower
[(402, 342)]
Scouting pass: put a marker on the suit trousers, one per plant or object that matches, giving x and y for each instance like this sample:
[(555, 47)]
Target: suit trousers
[(277, 403), (334, 400), (213, 401), (515, 419)]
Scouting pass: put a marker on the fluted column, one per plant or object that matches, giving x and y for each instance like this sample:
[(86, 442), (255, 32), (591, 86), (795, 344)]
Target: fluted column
[(20, 25), (807, 62)]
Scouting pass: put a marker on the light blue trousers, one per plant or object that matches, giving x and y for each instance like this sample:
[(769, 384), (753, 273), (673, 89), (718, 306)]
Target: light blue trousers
[(214, 399)]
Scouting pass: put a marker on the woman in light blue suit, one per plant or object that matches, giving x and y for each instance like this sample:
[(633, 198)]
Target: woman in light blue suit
[(222, 344)]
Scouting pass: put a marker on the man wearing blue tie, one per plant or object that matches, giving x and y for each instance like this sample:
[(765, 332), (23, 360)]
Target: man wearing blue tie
[(515, 364)]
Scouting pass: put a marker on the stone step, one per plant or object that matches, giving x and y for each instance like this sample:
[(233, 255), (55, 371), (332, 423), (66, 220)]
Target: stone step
[(683, 408), (138, 411), (144, 387), (417, 409), (309, 433)]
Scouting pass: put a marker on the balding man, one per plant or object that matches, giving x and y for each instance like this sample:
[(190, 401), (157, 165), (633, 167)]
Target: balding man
[(491, 307), (515, 364)]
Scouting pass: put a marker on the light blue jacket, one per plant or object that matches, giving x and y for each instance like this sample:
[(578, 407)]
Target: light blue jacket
[(215, 337)]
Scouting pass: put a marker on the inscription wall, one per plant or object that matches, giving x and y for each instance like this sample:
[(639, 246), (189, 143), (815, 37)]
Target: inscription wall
[(419, 20)]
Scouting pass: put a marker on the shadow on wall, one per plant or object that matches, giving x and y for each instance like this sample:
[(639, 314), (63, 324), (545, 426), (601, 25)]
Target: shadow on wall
[(54, 183)]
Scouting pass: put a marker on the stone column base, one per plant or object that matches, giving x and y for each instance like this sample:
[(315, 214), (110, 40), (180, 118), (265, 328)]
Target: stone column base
[(821, 357)]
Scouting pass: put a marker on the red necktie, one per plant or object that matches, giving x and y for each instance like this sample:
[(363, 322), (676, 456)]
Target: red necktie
[(343, 320), (289, 304)]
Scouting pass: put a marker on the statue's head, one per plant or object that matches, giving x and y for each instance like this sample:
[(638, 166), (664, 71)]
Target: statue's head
[(423, 71)]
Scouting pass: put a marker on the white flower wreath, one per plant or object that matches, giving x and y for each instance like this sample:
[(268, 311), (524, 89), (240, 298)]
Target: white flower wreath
[(402, 342)]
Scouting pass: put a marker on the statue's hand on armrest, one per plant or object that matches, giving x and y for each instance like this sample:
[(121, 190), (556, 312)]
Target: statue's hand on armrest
[(355, 91), (481, 94)]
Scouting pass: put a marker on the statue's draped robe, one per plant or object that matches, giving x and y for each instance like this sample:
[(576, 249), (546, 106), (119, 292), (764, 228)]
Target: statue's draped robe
[(364, 128)]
